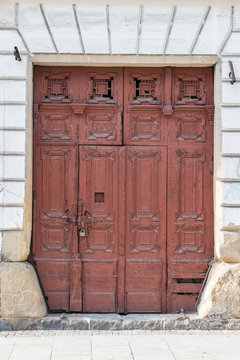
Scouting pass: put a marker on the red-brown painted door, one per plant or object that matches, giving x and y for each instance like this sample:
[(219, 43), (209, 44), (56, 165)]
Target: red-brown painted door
[(124, 155)]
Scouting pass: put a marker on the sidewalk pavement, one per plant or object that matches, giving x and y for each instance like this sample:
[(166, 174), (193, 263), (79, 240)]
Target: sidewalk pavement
[(120, 345)]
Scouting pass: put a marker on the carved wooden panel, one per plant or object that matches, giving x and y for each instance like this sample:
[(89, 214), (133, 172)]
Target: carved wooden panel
[(55, 198), (100, 122), (190, 127), (190, 166), (145, 228), (143, 119), (102, 125), (192, 86), (190, 238), (103, 87), (56, 87), (56, 126), (144, 88), (145, 126)]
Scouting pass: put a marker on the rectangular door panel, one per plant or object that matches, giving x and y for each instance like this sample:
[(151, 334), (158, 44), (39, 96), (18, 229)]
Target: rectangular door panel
[(145, 229), (144, 123), (99, 193), (100, 115), (55, 235), (55, 197), (55, 279), (190, 214)]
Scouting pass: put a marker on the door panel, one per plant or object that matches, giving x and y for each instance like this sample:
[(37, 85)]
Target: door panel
[(192, 86), (146, 229), (101, 118), (144, 123), (55, 199), (54, 235), (100, 195), (190, 194)]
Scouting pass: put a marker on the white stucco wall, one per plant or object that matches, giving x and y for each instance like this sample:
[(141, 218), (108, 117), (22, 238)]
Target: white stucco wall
[(12, 140), (116, 29)]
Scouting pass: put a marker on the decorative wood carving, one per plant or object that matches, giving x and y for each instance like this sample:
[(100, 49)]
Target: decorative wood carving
[(190, 189), (101, 126), (190, 238), (102, 88), (190, 126), (190, 89), (144, 89), (56, 126), (56, 88), (55, 205), (144, 127)]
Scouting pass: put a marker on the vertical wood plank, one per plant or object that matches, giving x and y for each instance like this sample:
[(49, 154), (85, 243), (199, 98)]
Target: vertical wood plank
[(122, 219), (76, 284)]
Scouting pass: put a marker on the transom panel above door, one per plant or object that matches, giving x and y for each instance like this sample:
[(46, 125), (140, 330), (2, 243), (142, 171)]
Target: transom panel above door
[(123, 214)]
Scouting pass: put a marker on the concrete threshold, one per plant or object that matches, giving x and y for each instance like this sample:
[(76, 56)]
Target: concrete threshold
[(116, 322)]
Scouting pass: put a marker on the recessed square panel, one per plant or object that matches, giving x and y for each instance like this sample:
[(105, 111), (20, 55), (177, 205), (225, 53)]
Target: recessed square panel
[(57, 88), (145, 89), (101, 88), (99, 197), (190, 90)]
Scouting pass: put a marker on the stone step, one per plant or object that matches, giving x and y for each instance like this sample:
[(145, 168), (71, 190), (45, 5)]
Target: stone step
[(113, 322)]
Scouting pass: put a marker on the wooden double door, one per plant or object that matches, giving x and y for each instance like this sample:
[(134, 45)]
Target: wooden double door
[(122, 216)]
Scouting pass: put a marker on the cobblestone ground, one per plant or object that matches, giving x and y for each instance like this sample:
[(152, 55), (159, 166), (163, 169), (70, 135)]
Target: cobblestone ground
[(120, 345)]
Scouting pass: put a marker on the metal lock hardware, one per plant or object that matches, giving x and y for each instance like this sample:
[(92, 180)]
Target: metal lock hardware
[(82, 232)]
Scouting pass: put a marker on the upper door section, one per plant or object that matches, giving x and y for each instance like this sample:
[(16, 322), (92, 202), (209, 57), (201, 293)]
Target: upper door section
[(152, 95), (143, 99), (87, 103)]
